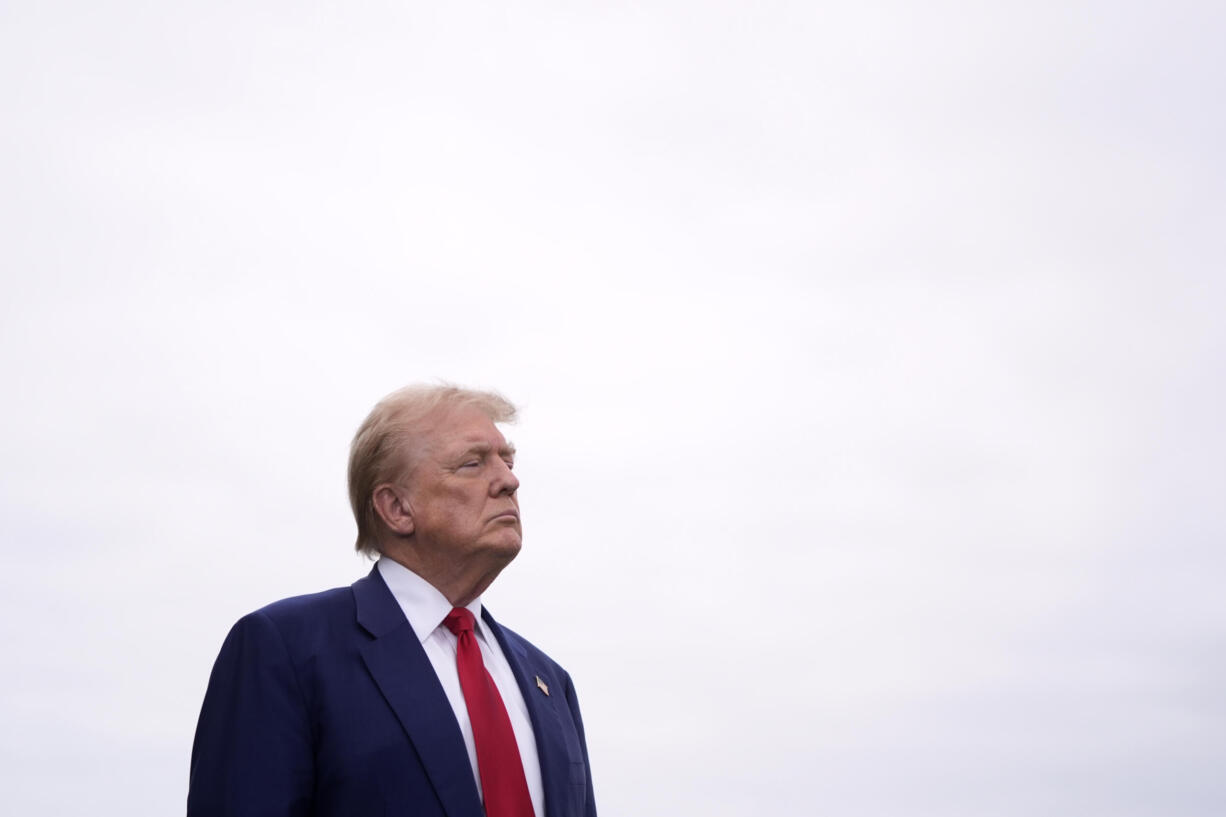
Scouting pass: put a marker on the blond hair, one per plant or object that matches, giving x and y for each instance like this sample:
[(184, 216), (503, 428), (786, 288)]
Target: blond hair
[(385, 445)]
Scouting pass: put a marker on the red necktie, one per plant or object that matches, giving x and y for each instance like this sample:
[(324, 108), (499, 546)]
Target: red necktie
[(503, 786)]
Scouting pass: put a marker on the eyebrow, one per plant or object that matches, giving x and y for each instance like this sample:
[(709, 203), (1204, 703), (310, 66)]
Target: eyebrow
[(485, 448)]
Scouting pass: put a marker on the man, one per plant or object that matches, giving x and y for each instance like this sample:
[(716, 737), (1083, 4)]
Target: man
[(400, 695)]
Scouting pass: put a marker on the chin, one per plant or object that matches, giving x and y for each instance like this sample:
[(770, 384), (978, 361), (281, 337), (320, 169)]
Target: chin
[(508, 548)]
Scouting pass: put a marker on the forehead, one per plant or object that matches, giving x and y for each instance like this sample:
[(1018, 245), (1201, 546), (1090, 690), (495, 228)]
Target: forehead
[(466, 427)]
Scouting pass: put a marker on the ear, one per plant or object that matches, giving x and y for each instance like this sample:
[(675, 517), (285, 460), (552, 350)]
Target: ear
[(393, 508)]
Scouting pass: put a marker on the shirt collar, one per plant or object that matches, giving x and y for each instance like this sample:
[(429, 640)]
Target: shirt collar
[(423, 605)]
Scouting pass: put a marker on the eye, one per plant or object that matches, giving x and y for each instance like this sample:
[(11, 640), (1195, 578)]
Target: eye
[(471, 464)]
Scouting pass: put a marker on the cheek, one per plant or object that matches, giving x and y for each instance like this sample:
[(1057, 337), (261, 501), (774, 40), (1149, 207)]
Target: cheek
[(465, 504)]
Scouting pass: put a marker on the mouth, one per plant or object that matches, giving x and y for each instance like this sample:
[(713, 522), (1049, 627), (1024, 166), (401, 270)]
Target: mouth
[(506, 516)]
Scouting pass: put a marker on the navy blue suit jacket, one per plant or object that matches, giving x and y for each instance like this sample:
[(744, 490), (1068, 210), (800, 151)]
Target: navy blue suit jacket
[(327, 705)]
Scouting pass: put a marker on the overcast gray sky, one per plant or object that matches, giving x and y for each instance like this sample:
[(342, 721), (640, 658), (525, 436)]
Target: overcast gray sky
[(870, 357)]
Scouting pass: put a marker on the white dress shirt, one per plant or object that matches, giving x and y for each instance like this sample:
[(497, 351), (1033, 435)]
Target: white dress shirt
[(425, 608)]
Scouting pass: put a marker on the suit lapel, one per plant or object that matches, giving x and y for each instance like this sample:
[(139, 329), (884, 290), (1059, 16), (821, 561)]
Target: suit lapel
[(542, 709), (406, 678)]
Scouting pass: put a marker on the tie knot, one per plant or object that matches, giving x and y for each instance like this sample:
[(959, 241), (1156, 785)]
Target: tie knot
[(459, 620)]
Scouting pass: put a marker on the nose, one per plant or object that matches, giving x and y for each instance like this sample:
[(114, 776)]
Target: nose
[(505, 481)]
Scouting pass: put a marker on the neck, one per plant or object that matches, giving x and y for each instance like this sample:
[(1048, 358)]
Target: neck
[(459, 586)]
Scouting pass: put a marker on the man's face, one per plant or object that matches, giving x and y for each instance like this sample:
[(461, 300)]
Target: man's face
[(462, 493)]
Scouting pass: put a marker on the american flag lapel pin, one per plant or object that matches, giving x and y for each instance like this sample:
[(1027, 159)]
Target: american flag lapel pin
[(542, 686)]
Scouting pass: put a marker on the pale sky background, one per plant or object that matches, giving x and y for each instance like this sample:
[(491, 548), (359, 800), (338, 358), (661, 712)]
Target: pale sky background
[(871, 359)]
